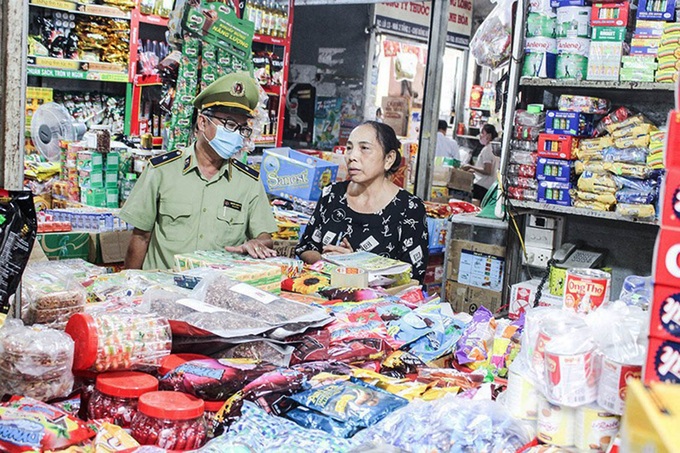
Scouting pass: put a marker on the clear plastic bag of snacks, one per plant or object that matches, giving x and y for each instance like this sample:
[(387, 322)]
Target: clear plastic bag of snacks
[(35, 361), (51, 297)]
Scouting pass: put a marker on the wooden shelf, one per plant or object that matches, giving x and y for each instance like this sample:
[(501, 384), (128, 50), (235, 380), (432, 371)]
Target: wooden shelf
[(610, 215), (554, 83)]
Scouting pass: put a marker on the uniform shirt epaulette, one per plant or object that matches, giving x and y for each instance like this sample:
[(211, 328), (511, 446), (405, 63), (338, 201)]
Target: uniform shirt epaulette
[(243, 168), (165, 158)]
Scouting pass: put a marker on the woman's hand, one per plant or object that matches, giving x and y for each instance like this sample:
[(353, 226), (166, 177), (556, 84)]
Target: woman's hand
[(341, 249), (254, 248)]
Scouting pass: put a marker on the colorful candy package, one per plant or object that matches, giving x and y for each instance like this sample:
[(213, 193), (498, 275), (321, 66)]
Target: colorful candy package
[(31, 425), (475, 344), (213, 379), (352, 402)]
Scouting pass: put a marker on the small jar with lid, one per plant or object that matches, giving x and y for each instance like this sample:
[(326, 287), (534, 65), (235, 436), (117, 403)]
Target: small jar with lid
[(116, 394), (170, 420)]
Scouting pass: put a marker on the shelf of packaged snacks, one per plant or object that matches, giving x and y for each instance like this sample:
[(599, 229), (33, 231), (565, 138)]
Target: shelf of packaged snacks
[(272, 40), (531, 81), (75, 74), (534, 206), (151, 19), (78, 8)]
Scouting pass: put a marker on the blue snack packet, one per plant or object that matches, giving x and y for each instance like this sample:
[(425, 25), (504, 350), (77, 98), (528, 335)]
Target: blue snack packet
[(352, 402), (310, 419)]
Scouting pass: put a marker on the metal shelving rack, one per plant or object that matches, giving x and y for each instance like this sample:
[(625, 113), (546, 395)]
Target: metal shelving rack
[(630, 241)]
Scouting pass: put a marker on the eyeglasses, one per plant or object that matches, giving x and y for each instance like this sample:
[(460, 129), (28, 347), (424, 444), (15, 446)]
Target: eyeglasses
[(233, 126)]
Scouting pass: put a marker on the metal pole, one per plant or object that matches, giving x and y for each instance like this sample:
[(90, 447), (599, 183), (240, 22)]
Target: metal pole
[(13, 45), (460, 96), (439, 21), (513, 83)]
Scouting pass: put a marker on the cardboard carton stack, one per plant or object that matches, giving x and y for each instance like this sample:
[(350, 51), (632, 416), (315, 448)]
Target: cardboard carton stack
[(663, 356)]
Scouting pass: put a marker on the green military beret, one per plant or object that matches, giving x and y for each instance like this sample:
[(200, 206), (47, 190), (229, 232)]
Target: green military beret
[(237, 91)]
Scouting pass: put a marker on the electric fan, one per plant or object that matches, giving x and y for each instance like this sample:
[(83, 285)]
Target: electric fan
[(51, 123)]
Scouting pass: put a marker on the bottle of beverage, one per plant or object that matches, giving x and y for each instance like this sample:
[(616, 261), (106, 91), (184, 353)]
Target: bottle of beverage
[(250, 11), (282, 20), (164, 7), (267, 18), (257, 14), (147, 6)]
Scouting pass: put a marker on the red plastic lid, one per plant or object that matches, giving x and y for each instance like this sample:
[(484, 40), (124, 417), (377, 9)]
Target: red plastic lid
[(170, 405), (126, 384), (172, 361), (213, 406), (82, 329)]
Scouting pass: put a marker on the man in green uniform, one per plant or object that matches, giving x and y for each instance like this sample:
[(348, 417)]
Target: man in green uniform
[(199, 198)]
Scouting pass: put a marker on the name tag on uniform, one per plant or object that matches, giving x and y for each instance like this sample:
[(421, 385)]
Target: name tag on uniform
[(232, 205)]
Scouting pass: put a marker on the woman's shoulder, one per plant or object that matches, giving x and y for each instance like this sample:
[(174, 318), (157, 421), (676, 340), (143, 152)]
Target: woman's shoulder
[(339, 188), (407, 201)]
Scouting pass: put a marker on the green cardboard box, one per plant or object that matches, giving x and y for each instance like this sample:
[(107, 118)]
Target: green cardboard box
[(111, 179), (112, 198), (112, 161), (61, 246), (617, 34), (93, 197)]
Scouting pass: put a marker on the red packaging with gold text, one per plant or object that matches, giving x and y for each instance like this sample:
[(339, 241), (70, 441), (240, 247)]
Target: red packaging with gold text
[(663, 361)]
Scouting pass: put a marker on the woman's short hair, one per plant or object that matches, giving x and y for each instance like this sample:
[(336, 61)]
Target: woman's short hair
[(389, 142), (491, 130)]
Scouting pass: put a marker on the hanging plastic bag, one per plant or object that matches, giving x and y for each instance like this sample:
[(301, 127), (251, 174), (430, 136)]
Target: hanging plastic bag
[(18, 227), (492, 43)]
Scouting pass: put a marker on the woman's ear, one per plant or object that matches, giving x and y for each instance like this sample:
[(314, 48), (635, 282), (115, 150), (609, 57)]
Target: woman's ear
[(389, 159)]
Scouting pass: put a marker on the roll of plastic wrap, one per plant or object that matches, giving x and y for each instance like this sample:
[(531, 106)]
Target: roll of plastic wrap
[(349, 277)]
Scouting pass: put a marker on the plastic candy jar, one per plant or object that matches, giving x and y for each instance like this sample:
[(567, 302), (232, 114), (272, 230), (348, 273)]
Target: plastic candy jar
[(116, 396), (170, 420)]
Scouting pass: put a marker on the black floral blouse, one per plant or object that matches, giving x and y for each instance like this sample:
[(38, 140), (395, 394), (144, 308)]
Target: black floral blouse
[(398, 231)]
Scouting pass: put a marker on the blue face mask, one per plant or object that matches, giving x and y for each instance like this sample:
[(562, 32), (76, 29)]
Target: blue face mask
[(226, 144)]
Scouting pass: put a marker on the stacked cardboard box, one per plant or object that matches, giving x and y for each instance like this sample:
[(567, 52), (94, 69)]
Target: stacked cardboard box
[(663, 356)]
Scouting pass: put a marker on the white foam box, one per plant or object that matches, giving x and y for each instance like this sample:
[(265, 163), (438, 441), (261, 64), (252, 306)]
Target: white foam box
[(522, 296)]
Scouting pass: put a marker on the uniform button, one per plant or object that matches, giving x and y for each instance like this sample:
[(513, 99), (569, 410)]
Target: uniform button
[(204, 209), (201, 236)]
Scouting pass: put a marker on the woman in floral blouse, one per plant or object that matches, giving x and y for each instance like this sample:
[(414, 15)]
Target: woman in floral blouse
[(368, 212)]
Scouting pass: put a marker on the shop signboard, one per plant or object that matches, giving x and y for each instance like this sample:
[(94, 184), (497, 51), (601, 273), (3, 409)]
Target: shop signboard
[(412, 19)]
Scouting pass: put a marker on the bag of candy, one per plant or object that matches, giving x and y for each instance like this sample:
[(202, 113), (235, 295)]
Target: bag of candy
[(212, 379), (352, 402), (31, 425)]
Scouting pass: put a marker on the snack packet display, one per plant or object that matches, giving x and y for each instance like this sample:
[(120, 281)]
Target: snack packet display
[(38, 427), (35, 361), (18, 226), (362, 405)]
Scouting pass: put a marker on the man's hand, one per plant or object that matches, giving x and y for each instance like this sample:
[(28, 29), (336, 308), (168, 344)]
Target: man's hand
[(255, 248), (342, 249)]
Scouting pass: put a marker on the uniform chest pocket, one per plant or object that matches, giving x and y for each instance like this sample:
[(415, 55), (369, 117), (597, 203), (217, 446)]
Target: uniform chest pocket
[(174, 221), (231, 216), (231, 227)]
